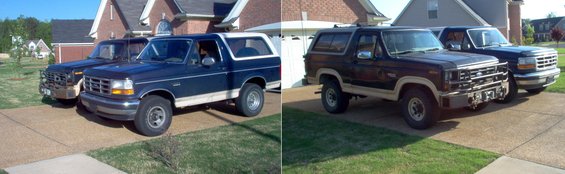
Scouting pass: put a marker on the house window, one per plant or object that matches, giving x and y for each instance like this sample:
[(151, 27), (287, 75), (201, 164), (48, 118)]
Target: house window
[(111, 12), (432, 9), (164, 28)]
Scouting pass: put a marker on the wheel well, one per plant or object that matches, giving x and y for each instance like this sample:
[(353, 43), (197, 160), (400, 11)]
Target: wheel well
[(163, 94), (327, 77), (257, 80), (409, 86)]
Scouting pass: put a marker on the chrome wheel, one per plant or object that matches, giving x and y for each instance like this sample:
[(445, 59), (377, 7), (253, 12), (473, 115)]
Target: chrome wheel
[(156, 116), (253, 100), (331, 97), (416, 109)]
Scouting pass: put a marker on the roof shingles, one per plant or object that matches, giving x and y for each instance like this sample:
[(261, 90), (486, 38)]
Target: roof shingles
[(131, 10), (71, 31), (205, 7)]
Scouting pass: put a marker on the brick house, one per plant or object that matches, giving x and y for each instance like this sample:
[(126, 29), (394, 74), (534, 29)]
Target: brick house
[(543, 27), (502, 14), (134, 18), (70, 39)]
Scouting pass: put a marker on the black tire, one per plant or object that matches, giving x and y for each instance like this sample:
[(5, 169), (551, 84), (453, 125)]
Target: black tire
[(535, 91), (67, 102), (154, 116), (334, 100), (479, 107), (419, 109), (512, 91), (250, 101)]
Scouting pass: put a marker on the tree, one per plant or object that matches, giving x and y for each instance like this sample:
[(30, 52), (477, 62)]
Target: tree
[(529, 35), (551, 15), (20, 34), (557, 34)]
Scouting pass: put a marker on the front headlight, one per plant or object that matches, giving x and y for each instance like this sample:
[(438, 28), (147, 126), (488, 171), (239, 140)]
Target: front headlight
[(122, 87), (527, 63)]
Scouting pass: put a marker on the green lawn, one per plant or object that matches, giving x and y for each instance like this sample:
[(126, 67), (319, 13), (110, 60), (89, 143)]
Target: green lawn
[(19, 86), (250, 147), (560, 50), (3, 172), (314, 143), (559, 86)]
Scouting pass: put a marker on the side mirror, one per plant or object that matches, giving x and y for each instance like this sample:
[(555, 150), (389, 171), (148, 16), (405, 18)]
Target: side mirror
[(364, 55), (454, 47), (208, 61)]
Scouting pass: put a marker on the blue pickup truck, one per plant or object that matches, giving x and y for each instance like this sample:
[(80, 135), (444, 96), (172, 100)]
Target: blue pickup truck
[(531, 68), (179, 71), (63, 81)]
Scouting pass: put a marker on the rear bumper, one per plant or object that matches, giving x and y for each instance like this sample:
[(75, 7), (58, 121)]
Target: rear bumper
[(537, 79), (124, 110), (472, 98), (59, 92)]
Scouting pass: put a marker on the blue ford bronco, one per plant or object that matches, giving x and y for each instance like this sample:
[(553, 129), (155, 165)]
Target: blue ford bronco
[(531, 68), (64, 81), (402, 64), (186, 70)]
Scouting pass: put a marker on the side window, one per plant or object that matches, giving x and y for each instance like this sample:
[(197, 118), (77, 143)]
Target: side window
[(249, 47), (371, 44), (455, 38), (335, 42), (203, 49)]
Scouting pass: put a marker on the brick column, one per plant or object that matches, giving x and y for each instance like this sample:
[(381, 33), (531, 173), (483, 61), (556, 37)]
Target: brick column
[(514, 17)]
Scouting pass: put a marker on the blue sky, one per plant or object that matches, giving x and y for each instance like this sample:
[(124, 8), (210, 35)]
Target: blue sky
[(86, 9), (49, 9)]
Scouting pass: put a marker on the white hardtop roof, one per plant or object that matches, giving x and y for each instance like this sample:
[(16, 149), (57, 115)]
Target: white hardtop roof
[(241, 34)]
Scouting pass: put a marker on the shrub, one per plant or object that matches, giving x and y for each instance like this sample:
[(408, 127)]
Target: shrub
[(51, 60)]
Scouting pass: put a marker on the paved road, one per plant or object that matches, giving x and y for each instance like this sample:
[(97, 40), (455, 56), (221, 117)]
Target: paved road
[(43, 132), (530, 128)]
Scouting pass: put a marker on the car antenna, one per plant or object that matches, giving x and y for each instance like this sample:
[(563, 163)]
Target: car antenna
[(128, 50)]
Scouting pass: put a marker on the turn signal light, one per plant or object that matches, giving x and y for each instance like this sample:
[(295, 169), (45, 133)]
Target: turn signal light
[(122, 91), (526, 66)]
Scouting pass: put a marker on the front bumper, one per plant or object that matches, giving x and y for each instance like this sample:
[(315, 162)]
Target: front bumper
[(57, 91), (459, 100), (123, 110), (537, 79)]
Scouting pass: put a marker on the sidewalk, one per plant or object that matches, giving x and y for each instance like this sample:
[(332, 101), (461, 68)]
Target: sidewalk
[(506, 164), (71, 164)]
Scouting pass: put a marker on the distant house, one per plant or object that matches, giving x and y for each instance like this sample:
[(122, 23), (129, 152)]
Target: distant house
[(70, 39), (542, 27), (502, 14), (33, 45)]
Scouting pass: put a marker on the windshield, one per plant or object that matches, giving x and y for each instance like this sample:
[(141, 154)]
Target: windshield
[(410, 41), (487, 37), (166, 51), (109, 51)]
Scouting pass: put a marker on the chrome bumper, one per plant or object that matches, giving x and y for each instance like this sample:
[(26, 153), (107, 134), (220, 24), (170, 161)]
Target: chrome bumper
[(110, 108), (59, 92), (459, 100), (537, 79)]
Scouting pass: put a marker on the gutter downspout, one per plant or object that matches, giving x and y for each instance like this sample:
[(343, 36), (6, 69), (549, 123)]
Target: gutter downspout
[(60, 53)]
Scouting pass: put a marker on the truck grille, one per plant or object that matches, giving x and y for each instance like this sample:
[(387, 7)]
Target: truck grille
[(97, 85), (546, 62), (55, 78), (474, 78)]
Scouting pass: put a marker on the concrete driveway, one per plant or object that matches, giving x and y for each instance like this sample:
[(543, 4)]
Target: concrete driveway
[(43, 132), (530, 128)]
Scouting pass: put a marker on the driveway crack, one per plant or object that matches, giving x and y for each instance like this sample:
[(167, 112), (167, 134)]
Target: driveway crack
[(537, 135), (37, 132)]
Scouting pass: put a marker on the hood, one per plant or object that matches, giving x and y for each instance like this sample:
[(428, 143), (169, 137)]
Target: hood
[(451, 59), (522, 50), (74, 65), (133, 70)]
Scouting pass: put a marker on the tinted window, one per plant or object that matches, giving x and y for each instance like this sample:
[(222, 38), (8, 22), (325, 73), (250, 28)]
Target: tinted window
[(332, 42), (369, 43), (248, 47), (203, 49), (166, 50), (108, 50)]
